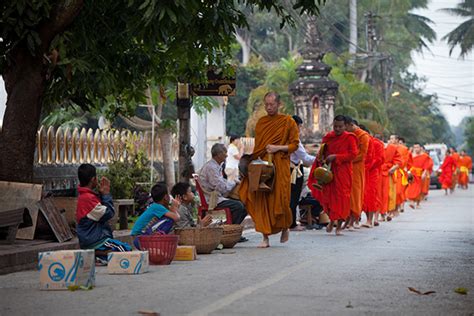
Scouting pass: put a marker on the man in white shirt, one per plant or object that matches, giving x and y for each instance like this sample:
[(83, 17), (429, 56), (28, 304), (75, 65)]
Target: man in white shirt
[(234, 153), (212, 180), (299, 159)]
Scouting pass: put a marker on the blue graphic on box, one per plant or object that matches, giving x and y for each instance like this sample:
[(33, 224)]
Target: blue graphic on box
[(56, 272), (138, 267), (124, 263)]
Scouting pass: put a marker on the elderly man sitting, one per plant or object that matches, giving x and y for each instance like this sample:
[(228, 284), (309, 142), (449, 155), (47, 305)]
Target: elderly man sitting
[(211, 179)]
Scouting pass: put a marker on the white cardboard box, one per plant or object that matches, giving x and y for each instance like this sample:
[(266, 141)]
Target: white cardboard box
[(66, 268), (130, 262)]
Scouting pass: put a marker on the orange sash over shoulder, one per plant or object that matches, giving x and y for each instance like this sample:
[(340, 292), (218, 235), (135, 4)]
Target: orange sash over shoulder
[(271, 211)]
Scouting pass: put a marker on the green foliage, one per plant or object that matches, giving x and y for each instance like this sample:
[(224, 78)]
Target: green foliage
[(248, 77), (204, 104), (469, 135), (113, 49), (278, 79), (417, 118), (71, 117), (124, 175), (356, 98), (398, 31), (463, 35)]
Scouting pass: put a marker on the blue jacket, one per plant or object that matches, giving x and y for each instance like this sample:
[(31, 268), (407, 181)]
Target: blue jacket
[(93, 212)]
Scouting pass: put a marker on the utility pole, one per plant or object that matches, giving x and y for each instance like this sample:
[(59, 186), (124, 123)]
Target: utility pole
[(370, 38), (353, 30)]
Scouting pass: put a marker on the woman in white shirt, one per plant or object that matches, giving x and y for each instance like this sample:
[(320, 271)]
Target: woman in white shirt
[(234, 153)]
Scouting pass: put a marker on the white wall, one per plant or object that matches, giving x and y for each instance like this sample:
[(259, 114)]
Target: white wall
[(3, 100), (206, 131), (198, 138)]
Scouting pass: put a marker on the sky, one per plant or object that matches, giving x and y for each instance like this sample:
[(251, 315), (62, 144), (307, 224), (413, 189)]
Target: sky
[(451, 78)]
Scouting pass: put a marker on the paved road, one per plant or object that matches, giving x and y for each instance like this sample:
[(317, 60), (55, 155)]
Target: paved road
[(364, 272)]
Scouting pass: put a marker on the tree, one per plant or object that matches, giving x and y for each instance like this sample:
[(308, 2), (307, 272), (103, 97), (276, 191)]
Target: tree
[(469, 134), (82, 52), (463, 35), (278, 79)]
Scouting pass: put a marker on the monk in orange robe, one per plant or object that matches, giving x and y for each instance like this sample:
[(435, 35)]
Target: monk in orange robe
[(455, 156), (358, 172), (418, 170), (447, 169), (465, 168), (402, 175), (425, 187), (392, 161), (373, 164), (277, 135), (340, 150)]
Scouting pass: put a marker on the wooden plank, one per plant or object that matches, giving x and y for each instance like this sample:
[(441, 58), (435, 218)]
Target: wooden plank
[(56, 220), (15, 195), (69, 204), (28, 233)]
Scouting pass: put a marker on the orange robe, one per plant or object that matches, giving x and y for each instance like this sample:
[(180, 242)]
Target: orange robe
[(358, 172), (271, 211), (388, 190), (456, 172), (425, 188), (335, 196), (418, 166), (373, 164), (401, 174), (465, 167), (447, 171)]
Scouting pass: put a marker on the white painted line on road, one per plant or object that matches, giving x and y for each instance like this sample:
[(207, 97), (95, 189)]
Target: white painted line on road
[(229, 299)]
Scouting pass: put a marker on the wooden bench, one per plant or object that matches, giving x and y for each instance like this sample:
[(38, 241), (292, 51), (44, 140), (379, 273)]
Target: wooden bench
[(9, 222)]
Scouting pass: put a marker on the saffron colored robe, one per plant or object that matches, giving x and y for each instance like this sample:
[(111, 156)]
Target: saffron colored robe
[(401, 173), (418, 166), (465, 167), (373, 165), (271, 211), (389, 191), (448, 168), (335, 196), (456, 157), (425, 187), (358, 172)]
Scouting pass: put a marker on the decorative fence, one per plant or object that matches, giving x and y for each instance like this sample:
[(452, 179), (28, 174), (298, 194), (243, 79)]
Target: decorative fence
[(58, 146), (65, 147)]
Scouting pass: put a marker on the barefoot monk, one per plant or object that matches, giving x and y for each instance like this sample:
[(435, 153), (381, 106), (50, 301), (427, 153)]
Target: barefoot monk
[(340, 149), (276, 137)]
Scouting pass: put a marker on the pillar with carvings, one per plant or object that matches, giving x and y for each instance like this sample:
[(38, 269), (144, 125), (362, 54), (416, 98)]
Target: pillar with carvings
[(313, 92)]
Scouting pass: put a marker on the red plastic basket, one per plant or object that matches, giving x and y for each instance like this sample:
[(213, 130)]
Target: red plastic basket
[(161, 248)]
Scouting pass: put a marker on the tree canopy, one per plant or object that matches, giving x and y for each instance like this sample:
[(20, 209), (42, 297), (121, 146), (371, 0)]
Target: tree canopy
[(105, 53), (463, 34)]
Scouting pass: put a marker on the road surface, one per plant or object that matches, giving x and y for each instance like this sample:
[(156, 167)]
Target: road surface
[(364, 272)]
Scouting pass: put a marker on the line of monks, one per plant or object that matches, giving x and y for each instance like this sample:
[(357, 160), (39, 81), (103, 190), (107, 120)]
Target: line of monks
[(368, 175), (375, 177), (455, 170)]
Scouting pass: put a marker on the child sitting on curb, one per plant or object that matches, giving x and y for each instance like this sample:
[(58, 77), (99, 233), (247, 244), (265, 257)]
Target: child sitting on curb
[(183, 192), (157, 217), (92, 214)]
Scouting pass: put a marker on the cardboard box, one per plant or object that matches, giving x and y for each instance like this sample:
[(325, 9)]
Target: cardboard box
[(185, 253), (131, 262), (60, 270)]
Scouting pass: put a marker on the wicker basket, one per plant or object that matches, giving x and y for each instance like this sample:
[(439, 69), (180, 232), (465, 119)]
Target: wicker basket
[(231, 235), (161, 248), (205, 239)]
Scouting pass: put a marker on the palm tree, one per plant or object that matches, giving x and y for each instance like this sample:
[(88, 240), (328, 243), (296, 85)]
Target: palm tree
[(463, 35)]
